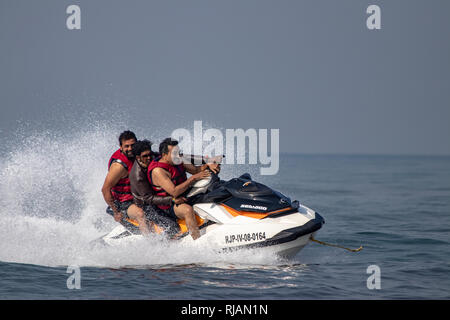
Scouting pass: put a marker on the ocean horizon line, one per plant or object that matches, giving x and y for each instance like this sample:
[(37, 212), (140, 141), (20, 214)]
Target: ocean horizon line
[(362, 154)]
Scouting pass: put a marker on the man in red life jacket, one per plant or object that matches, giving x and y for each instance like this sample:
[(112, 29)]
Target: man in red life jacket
[(143, 193), (167, 178), (116, 189)]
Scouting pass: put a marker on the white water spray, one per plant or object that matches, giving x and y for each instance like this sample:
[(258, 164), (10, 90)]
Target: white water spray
[(51, 206)]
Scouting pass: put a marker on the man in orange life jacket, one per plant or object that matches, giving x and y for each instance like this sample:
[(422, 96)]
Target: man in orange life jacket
[(116, 189), (167, 178)]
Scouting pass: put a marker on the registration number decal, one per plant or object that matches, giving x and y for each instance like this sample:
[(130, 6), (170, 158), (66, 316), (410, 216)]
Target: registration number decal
[(245, 237)]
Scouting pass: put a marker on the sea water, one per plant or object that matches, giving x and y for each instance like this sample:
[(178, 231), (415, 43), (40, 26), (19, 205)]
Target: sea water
[(396, 207)]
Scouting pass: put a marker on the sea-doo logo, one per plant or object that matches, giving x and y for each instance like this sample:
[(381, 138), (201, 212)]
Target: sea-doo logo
[(249, 206)]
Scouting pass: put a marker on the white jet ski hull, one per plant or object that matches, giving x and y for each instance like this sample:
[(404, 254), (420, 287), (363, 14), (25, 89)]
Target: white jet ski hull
[(284, 234)]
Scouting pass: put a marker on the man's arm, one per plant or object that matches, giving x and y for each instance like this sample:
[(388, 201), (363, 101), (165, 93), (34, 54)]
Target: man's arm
[(161, 178), (156, 200), (194, 169), (115, 173), (212, 163), (213, 166)]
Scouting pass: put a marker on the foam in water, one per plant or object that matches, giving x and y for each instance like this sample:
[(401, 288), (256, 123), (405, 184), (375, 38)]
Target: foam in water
[(52, 207)]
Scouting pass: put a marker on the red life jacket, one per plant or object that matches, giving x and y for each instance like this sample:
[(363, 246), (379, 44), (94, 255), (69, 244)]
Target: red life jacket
[(122, 190), (177, 175)]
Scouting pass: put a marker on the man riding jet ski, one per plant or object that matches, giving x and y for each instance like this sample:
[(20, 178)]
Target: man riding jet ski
[(236, 214), (167, 176)]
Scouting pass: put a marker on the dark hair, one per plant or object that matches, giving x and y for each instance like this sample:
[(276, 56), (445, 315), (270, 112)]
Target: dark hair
[(141, 146), (126, 135), (164, 145)]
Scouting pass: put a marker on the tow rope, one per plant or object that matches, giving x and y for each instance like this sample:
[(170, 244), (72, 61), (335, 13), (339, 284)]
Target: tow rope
[(335, 245)]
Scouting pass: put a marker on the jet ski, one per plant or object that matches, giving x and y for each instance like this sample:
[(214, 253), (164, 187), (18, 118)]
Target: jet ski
[(232, 215)]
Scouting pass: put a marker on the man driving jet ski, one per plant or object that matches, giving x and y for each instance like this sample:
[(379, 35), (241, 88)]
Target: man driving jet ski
[(168, 178)]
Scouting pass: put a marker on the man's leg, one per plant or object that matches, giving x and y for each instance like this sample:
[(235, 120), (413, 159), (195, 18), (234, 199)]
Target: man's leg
[(158, 218), (136, 213), (186, 212)]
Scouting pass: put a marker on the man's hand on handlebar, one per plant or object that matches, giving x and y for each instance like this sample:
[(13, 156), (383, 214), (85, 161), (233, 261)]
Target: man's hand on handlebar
[(201, 175), (213, 164), (214, 167)]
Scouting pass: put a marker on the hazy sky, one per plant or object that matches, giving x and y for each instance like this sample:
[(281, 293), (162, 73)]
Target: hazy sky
[(310, 68)]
